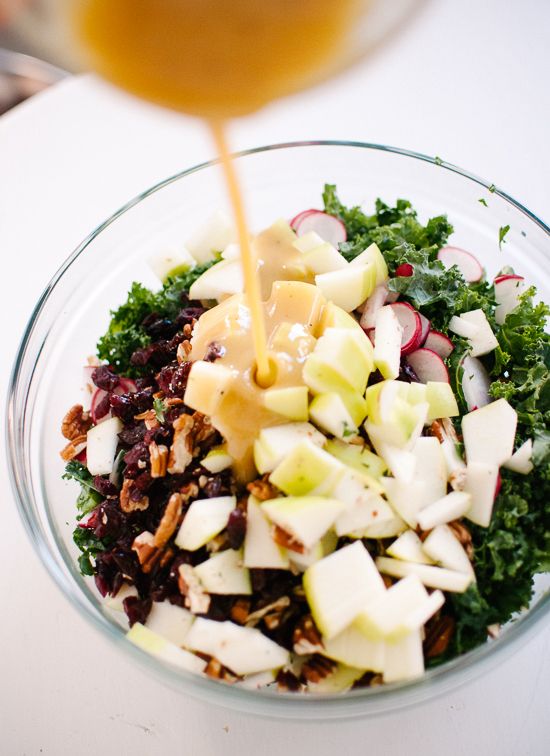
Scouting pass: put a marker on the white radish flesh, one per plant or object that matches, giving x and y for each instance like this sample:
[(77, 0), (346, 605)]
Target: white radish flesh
[(508, 290), (428, 366), (467, 264), (300, 217), (328, 227), (475, 383), (439, 343), (409, 320), (425, 326)]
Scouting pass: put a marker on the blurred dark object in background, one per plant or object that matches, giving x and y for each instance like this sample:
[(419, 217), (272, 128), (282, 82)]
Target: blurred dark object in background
[(22, 76)]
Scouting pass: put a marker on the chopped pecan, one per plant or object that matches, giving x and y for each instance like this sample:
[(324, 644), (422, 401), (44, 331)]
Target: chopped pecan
[(288, 682), (196, 599), (188, 329), (439, 632), (181, 451), (147, 554), (368, 680), (218, 543), (173, 401), (189, 491), (239, 611), (216, 670), (150, 418), (262, 489), (181, 353), (158, 456), (317, 668), (202, 427), (76, 423), (127, 502), (169, 520), (286, 540), (306, 638), (73, 448), (464, 537), (271, 613)]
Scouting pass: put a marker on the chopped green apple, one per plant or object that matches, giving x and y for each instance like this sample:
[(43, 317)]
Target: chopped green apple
[(204, 519), (484, 340), (406, 498), (221, 280), (489, 433), (217, 459), (408, 547), (450, 507), (307, 469), (372, 255), (206, 385), (306, 518), (101, 446), (260, 550), (291, 402), (358, 457), (387, 344), (329, 412), (170, 621), (430, 575), (308, 241), (322, 548), (349, 287), (324, 259), (171, 262), (445, 549), (158, 646), (481, 483), (404, 658), (334, 317), (244, 650), (338, 587), (273, 444), (322, 378), (116, 602), (401, 463), (441, 400), (520, 461), (214, 235), (351, 647), (387, 529), (223, 573), (363, 504), (338, 681), (430, 468), (349, 352)]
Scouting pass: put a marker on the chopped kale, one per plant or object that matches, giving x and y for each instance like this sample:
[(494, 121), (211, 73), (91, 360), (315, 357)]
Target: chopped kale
[(503, 230), (89, 497), (90, 546)]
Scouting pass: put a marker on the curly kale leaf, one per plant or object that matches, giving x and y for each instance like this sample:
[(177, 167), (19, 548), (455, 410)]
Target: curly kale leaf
[(89, 497), (90, 546)]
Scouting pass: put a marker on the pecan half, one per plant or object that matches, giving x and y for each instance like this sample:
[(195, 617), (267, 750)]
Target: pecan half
[(306, 638), (239, 611), (73, 448), (286, 540), (271, 613), (127, 502), (196, 599), (181, 451), (317, 668), (76, 423), (464, 537), (169, 521), (439, 632), (144, 546), (262, 489), (158, 456), (216, 670), (189, 491), (150, 418), (288, 682), (202, 427)]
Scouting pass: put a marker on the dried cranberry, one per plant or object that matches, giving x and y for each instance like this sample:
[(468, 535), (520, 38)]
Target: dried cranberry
[(142, 482), (102, 585), (109, 521), (105, 379), (104, 486), (158, 327), (188, 315), (138, 453), (172, 379), (236, 528), (131, 434), (126, 562), (102, 407), (136, 609)]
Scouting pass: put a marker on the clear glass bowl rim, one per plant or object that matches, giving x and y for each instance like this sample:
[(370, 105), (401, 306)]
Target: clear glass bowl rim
[(362, 702)]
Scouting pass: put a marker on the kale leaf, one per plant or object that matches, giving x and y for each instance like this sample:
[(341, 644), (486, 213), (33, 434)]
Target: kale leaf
[(90, 546), (89, 497)]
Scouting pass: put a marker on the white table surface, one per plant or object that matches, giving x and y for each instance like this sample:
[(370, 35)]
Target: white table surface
[(467, 81)]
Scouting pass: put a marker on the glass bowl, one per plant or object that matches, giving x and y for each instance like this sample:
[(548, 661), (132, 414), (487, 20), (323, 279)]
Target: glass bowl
[(73, 311)]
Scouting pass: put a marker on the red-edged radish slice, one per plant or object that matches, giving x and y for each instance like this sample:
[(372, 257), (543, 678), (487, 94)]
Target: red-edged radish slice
[(425, 325), (475, 383), (298, 218), (81, 456), (127, 385), (428, 366), (409, 320), (405, 270), (508, 289), (498, 485), (370, 333), (376, 300), (439, 343), (328, 227), (467, 264)]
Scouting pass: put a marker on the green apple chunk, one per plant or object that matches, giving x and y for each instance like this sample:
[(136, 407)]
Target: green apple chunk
[(101, 446), (430, 468), (306, 469), (306, 518), (401, 463), (349, 353), (221, 280), (404, 658), (358, 457), (334, 317), (443, 547), (349, 287), (170, 262), (163, 649), (115, 603), (386, 529), (351, 647), (406, 498), (289, 402), (244, 650), (489, 433), (324, 259), (450, 507), (339, 681), (322, 378), (441, 400), (216, 233), (481, 483), (339, 586), (308, 241), (206, 386), (430, 575), (483, 340), (520, 461), (217, 460), (170, 621), (260, 550), (372, 256), (364, 505), (204, 519), (273, 444), (329, 412), (322, 548), (408, 547), (387, 343), (224, 574)]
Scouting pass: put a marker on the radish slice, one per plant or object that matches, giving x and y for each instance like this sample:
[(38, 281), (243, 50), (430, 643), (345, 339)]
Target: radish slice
[(370, 333), (439, 343), (376, 300), (475, 383), (409, 320), (405, 270), (467, 264), (428, 366), (126, 386), (425, 325), (328, 227), (297, 218), (508, 289)]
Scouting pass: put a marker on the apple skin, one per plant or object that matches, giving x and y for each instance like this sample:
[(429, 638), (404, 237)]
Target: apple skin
[(275, 443), (156, 645), (307, 469), (387, 343), (430, 575), (291, 402), (306, 518), (372, 255), (329, 412), (204, 519)]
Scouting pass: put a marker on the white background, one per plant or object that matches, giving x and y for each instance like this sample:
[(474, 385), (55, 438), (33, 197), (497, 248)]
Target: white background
[(467, 81)]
